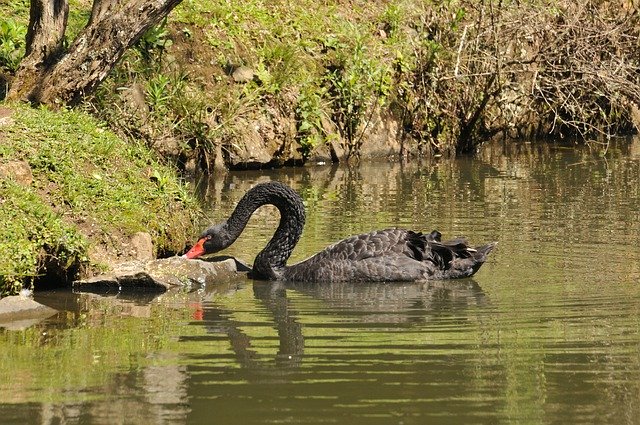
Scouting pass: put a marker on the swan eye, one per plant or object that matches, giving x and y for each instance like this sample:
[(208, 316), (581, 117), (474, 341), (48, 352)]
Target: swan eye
[(208, 237)]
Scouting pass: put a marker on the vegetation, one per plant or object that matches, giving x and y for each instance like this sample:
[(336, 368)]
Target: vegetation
[(312, 64), (451, 73), (12, 37), (90, 189), (29, 226)]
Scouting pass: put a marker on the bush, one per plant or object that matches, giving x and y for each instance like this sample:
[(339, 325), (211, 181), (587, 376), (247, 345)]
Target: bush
[(522, 70)]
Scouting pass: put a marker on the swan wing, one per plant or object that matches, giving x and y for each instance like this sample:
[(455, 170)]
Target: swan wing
[(374, 244)]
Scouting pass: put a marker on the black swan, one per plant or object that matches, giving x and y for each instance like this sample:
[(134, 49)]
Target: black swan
[(379, 256)]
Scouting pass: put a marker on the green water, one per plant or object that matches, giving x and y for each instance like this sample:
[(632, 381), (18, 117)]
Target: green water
[(547, 332)]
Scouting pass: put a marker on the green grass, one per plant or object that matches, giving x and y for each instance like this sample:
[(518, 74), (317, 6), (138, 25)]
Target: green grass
[(86, 180), (30, 226)]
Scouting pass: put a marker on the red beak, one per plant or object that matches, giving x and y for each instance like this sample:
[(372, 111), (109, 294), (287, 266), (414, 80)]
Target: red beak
[(196, 250)]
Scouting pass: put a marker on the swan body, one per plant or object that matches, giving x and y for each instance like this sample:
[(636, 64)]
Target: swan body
[(378, 256)]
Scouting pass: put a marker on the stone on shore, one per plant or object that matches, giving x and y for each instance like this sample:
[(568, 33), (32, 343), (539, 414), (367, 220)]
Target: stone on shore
[(163, 274)]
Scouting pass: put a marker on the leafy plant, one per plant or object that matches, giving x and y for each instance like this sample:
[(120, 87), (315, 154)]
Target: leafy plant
[(12, 39), (309, 112), (158, 92), (156, 39), (357, 83)]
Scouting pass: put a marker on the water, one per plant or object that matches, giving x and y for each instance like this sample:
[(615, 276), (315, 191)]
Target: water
[(547, 332)]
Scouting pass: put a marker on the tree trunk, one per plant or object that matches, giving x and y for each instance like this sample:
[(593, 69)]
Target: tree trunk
[(46, 76), (47, 23)]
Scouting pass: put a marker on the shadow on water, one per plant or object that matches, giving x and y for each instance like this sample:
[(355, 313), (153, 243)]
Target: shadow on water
[(309, 348), (285, 340)]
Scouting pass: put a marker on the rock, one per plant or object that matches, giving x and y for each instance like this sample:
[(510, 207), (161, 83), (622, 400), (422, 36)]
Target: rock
[(19, 312), (18, 171), (251, 150), (178, 271), (5, 116), (242, 74), (332, 150), (382, 138), (142, 246), (161, 275)]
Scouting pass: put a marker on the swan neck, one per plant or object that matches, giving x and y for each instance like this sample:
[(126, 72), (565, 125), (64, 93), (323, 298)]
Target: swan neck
[(271, 261)]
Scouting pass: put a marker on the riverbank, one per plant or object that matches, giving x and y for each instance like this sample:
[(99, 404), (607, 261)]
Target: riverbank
[(249, 84), (252, 85), (75, 199)]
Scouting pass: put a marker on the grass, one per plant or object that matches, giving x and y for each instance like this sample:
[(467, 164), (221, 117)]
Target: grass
[(30, 226), (87, 181)]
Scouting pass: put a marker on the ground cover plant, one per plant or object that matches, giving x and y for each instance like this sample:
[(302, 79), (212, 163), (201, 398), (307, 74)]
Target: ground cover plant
[(91, 191)]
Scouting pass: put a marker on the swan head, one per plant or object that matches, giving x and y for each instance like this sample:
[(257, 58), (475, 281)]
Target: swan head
[(214, 239)]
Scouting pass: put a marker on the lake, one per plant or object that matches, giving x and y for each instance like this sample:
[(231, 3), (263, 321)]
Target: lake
[(548, 331)]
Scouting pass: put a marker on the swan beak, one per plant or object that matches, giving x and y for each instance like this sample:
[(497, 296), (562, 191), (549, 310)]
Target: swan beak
[(197, 250)]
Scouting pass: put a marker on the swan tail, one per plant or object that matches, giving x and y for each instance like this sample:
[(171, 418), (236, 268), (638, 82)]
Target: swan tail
[(461, 266), (454, 258)]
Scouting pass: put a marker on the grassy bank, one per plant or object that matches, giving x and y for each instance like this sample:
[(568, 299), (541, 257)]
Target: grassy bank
[(90, 192)]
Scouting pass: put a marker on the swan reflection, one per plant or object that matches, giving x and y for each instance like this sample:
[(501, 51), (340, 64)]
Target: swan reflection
[(297, 310)]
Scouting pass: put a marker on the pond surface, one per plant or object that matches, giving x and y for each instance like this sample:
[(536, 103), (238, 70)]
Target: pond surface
[(548, 331)]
